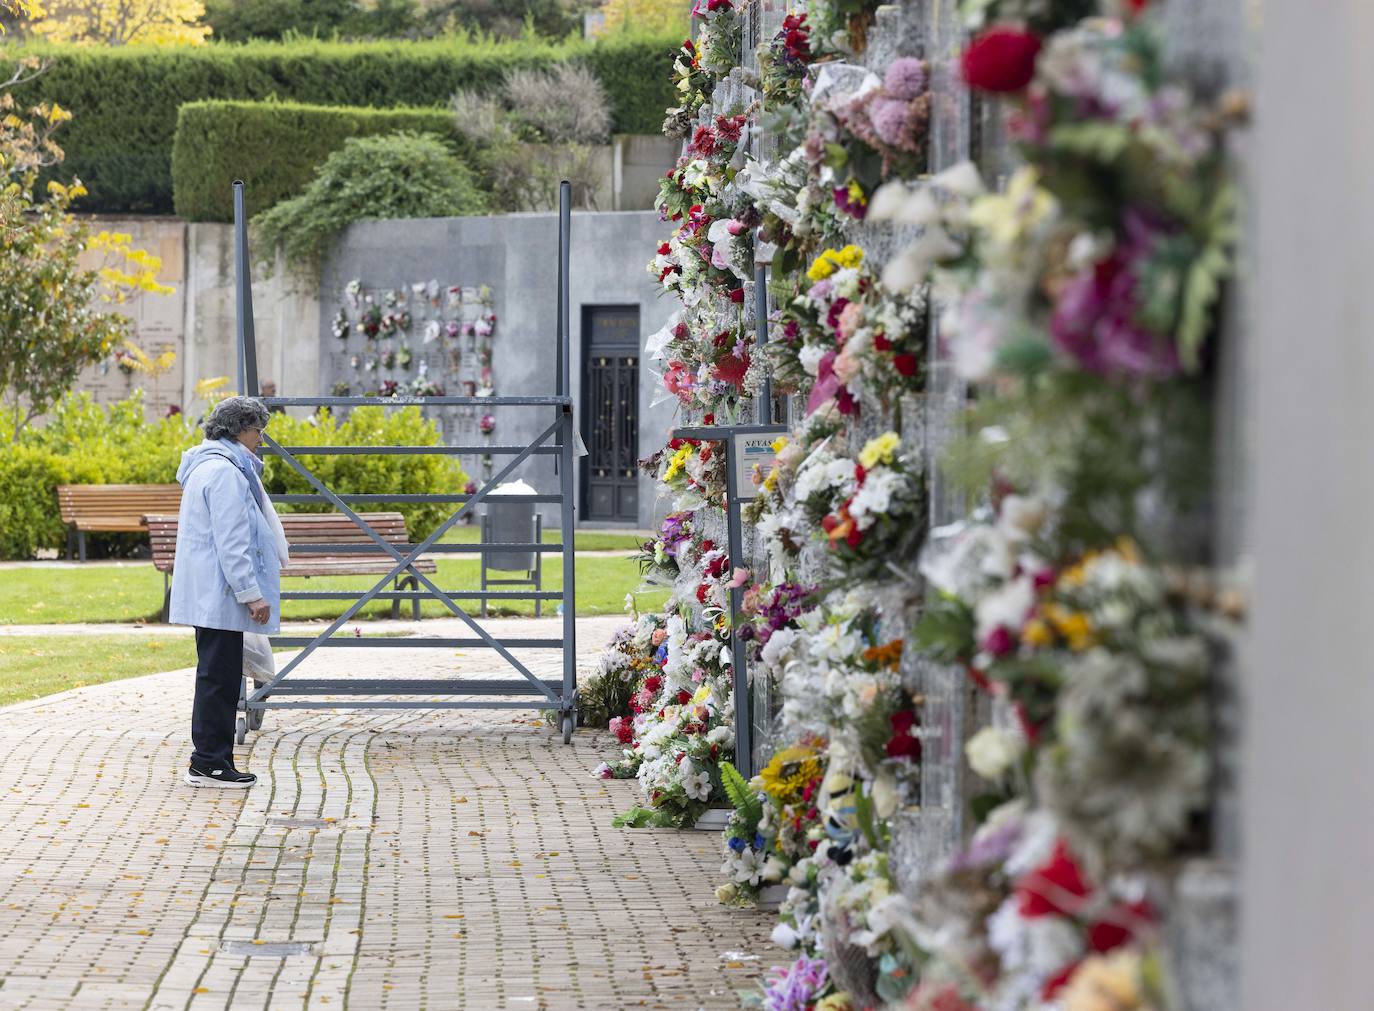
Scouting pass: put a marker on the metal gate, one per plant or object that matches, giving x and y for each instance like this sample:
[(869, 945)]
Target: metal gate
[(289, 691)]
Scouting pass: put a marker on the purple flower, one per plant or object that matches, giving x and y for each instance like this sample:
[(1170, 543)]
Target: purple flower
[(796, 987), (905, 78), (1096, 320), (888, 116)]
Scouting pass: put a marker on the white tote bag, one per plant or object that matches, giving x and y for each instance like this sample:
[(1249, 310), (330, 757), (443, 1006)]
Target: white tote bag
[(257, 657)]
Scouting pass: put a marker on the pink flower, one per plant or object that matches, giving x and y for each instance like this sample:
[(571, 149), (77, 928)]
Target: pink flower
[(905, 78), (623, 729), (850, 318), (888, 116), (603, 771), (738, 578), (846, 366), (658, 636)]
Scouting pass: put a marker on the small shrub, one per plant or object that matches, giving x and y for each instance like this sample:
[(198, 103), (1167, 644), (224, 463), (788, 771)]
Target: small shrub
[(400, 175), (561, 104), (369, 475)]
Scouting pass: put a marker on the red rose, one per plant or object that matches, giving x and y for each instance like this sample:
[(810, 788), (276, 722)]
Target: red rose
[(1001, 60), (1051, 888), (709, 419), (904, 364), (704, 141), (999, 641), (1106, 934), (902, 744), (1058, 981), (731, 369), (702, 590), (683, 696), (664, 249), (854, 536), (737, 295), (881, 343)]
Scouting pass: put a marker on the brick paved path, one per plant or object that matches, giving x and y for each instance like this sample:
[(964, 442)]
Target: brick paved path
[(425, 859)]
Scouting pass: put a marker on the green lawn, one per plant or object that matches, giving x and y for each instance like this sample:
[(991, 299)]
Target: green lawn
[(586, 540), (130, 593), (35, 665)]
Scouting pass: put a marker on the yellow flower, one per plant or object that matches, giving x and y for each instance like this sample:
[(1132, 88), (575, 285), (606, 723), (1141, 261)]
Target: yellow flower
[(1106, 983), (703, 693), (835, 1002), (834, 259), (678, 461), (880, 449), (822, 268), (779, 443), (771, 481), (1037, 633), (789, 772), (1072, 625), (1005, 217)]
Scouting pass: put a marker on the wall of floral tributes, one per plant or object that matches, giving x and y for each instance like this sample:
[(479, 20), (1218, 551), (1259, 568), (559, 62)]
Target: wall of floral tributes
[(987, 639)]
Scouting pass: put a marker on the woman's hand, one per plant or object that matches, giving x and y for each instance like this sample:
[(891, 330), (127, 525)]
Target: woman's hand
[(259, 611)]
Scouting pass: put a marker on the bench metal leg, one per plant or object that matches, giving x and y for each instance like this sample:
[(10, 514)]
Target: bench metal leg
[(166, 597), (71, 543), (81, 535)]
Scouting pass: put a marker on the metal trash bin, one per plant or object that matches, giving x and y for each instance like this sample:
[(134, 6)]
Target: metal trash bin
[(512, 523)]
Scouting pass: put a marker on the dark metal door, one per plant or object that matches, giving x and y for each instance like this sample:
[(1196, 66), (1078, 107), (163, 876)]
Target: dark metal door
[(610, 341)]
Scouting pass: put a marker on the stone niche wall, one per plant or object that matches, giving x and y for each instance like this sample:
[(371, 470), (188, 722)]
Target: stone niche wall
[(515, 256)]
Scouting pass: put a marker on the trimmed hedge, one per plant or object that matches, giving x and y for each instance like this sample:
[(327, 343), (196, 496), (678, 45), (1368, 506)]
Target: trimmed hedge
[(87, 443), (274, 147), (125, 98)]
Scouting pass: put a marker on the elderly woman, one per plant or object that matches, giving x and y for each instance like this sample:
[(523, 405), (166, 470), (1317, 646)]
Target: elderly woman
[(226, 580)]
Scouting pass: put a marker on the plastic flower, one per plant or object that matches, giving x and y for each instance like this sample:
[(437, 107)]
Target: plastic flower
[(880, 450), (790, 772), (905, 78), (1001, 60)]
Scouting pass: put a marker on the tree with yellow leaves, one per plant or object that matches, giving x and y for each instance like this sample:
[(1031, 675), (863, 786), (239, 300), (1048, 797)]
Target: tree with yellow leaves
[(118, 22), (57, 312), (656, 16)]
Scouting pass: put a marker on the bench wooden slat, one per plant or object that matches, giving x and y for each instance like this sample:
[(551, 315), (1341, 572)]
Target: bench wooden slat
[(302, 528)]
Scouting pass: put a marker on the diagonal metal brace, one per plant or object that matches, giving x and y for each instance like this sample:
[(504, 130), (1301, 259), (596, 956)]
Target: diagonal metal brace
[(406, 561)]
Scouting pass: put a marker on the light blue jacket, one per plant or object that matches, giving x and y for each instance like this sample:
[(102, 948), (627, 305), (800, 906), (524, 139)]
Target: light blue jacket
[(226, 552)]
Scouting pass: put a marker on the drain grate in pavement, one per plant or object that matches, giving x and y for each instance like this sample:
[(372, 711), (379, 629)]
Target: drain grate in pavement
[(301, 822), (266, 949)]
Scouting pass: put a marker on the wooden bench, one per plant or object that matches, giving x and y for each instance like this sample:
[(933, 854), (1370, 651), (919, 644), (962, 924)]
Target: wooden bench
[(111, 508), (313, 528)]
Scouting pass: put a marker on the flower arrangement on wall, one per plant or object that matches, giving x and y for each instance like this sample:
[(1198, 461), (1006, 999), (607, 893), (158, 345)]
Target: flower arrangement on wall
[(1079, 298)]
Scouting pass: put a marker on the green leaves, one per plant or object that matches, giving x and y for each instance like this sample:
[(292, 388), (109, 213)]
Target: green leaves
[(399, 175), (748, 804), (1203, 282)]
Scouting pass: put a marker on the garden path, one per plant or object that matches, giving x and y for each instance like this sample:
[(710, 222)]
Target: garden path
[(427, 858)]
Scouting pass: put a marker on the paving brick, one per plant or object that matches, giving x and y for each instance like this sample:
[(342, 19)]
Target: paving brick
[(460, 859)]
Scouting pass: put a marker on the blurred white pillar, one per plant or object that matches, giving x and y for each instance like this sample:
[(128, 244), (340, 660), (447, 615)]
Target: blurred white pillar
[(1308, 769)]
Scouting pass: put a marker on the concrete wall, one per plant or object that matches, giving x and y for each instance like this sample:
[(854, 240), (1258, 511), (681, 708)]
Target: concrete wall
[(516, 256), (1307, 921), (513, 254), (158, 319)]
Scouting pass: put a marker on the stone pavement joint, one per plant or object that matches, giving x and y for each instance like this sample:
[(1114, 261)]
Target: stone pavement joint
[(429, 858)]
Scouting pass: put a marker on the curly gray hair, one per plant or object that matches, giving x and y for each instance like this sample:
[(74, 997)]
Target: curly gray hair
[(232, 415)]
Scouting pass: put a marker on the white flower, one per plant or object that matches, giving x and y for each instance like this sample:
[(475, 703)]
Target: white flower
[(810, 357), (773, 869), (962, 180), (697, 786), (1006, 606), (874, 499), (748, 868), (784, 936), (992, 751), (884, 795), (721, 736), (1020, 517)]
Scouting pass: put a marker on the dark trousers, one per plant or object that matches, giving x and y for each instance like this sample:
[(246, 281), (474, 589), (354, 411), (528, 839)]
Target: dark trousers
[(219, 675)]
